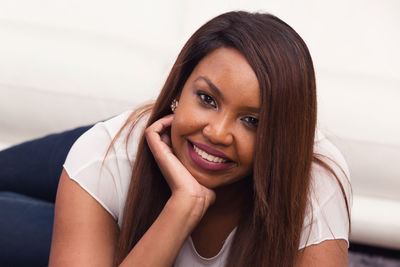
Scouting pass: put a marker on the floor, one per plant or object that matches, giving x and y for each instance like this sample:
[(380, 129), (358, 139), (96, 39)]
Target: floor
[(368, 256)]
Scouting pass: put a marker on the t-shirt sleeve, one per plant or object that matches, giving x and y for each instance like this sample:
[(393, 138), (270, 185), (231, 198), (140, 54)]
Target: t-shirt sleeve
[(105, 178), (326, 215)]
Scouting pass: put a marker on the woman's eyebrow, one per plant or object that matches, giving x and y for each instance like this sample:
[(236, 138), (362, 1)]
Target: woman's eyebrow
[(218, 92), (211, 85), (253, 109)]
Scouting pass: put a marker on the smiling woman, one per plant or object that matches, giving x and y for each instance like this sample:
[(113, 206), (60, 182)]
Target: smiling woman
[(226, 168)]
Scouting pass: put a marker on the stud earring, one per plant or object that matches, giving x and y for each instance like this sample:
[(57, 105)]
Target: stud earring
[(174, 105)]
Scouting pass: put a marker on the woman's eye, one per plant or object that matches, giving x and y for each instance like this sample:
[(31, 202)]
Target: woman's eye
[(207, 100), (251, 121)]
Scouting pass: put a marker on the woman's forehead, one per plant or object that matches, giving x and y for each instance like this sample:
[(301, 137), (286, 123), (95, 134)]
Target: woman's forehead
[(226, 71)]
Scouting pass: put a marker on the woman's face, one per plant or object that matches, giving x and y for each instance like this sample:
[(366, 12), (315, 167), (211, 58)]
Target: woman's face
[(214, 127)]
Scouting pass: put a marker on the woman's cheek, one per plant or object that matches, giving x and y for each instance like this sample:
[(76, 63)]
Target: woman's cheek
[(188, 120)]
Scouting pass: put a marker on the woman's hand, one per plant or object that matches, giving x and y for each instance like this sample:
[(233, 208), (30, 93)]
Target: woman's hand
[(162, 242), (182, 184)]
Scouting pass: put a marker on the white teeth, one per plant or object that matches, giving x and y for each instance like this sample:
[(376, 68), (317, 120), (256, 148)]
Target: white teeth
[(208, 157)]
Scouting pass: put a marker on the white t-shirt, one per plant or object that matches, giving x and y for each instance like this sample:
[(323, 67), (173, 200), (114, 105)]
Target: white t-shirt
[(107, 180)]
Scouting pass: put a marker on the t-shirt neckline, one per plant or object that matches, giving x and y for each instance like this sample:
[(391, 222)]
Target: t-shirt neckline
[(226, 244)]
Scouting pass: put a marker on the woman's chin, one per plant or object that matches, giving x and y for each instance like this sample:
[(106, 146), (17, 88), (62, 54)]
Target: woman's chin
[(213, 182)]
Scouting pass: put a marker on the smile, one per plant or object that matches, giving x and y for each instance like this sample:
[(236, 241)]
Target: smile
[(207, 156), (212, 160)]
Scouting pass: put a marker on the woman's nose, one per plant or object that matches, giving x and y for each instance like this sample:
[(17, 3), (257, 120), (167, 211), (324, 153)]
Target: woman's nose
[(219, 131)]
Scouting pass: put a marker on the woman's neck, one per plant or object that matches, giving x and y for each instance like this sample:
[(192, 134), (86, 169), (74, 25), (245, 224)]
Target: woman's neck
[(228, 206), (230, 197), (220, 219)]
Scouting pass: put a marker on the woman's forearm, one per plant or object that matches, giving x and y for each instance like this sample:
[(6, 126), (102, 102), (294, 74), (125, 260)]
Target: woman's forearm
[(160, 245)]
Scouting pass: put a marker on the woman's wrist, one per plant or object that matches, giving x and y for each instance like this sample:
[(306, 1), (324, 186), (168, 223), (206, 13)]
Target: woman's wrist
[(191, 207), (161, 243)]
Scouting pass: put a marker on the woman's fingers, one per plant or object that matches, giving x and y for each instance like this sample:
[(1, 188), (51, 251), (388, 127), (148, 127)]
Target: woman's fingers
[(157, 136), (179, 179), (161, 124), (166, 139)]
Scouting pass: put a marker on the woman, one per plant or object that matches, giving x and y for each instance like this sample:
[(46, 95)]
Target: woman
[(229, 170)]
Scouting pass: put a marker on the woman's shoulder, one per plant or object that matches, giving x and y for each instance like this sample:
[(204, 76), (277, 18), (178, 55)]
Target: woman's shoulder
[(327, 212), (103, 168), (326, 153), (95, 143)]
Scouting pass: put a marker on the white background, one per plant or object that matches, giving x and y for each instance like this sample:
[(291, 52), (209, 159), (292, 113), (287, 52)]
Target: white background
[(123, 50)]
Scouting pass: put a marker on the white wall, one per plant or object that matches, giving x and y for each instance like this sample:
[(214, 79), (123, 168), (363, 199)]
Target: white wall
[(122, 50)]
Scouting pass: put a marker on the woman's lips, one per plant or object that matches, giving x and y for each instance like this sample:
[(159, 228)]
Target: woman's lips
[(211, 151), (215, 162)]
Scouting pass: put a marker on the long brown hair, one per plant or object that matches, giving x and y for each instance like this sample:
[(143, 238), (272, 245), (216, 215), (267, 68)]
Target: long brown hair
[(269, 230)]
